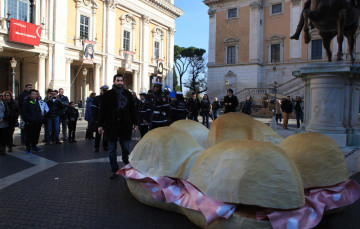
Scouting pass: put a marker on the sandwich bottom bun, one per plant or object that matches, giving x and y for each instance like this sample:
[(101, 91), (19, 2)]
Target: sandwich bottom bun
[(238, 219)]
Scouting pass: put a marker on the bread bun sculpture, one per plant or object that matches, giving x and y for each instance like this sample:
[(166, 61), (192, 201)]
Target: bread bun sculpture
[(238, 180)]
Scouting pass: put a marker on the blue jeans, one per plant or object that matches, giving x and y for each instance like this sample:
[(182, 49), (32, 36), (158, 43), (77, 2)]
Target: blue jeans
[(215, 113), (52, 123), (299, 117), (125, 146), (205, 116)]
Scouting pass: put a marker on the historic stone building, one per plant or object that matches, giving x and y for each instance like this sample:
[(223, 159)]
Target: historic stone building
[(250, 47), (128, 36)]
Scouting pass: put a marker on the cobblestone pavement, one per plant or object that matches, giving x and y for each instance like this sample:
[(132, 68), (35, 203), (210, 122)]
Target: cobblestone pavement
[(67, 186)]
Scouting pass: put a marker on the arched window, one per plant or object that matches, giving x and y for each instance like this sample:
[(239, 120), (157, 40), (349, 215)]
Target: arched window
[(20, 9)]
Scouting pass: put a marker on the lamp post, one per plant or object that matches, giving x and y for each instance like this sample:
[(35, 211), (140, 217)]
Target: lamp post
[(227, 83), (13, 63), (85, 73)]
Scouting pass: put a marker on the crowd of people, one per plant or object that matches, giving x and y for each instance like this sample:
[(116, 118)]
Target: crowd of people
[(283, 110)]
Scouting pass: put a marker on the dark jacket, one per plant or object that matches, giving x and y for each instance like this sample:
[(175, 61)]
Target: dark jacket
[(65, 104), (14, 111), (145, 112), (71, 114), (31, 112), (95, 107), (178, 110), (234, 102), (216, 105), (54, 108), (193, 105), (205, 106), (22, 97), (117, 122), (88, 110), (247, 107), (161, 107), (287, 106)]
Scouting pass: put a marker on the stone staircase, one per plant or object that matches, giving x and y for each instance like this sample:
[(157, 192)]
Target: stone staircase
[(294, 87)]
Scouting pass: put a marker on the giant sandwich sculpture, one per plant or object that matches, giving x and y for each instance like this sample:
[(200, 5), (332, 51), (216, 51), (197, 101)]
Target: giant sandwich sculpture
[(240, 174)]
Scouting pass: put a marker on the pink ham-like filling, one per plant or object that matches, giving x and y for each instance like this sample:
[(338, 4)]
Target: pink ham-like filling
[(186, 195)]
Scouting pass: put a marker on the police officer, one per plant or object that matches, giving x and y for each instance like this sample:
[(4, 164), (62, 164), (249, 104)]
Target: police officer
[(178, 109), (161, 107), (145, 107)]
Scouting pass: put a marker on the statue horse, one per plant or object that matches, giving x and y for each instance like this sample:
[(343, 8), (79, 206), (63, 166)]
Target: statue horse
[(332, 18)]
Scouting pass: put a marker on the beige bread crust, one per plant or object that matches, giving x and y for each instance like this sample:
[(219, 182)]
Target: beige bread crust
[(318, 158), (236, 221), (198, 131), (248, 172), (163, 151), (240, 126)]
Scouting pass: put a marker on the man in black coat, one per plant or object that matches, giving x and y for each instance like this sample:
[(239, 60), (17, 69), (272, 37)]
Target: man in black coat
[(53, 117), (161, 106), (117, 117), (32, 116), (287, 108), (193, 106), (22, 97), (247, 106), (230, 101), (95, 108)]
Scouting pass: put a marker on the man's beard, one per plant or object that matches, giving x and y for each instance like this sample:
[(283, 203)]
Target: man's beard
[(119, 85)]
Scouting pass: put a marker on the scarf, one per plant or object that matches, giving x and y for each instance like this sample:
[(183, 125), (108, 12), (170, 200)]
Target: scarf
[(121, 99)]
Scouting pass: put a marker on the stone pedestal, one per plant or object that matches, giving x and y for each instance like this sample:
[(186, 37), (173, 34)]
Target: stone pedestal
[(332, 92)]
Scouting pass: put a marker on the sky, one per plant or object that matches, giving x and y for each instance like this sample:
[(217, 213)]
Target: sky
[(192, 29)]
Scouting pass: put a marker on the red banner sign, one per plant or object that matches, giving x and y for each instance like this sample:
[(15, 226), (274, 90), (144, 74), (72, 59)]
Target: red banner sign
[(24, 32)]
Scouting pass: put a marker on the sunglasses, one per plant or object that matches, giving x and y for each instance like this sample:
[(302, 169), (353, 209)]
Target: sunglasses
[(7, 95)]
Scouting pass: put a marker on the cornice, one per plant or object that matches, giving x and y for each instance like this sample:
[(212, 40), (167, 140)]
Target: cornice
[(213, 2), (166, 7)]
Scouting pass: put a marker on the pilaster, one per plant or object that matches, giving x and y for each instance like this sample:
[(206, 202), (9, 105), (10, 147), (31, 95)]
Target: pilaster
[(212, 37), (295, 45), (97, 78), (41, 73), (256, 32)]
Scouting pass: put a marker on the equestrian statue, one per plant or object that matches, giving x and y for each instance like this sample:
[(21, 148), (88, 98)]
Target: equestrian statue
[(332, 18)]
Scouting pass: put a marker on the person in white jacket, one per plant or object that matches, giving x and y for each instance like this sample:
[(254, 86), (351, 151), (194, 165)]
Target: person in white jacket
[(43, 105)]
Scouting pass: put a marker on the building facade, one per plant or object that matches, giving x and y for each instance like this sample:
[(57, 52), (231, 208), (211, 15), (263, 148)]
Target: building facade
[(129, 37), (250, 47)]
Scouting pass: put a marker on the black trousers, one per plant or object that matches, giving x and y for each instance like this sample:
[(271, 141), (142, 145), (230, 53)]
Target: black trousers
[(3, 137), (32, 132), (97, 141), (72, 129), (143, 130), (10, 133)]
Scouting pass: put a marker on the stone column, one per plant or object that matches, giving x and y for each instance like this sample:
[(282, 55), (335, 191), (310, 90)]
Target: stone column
[(145, 79), (170, 58), (212, 36), (256, 32), (97, 78), (68, 76), (41, 74), (332, 100), (110, 40), (135, 82), (295, 45)]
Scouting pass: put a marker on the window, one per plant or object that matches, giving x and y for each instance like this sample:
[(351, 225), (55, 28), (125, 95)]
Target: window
[(275, 53), (20, 9), (157, 50), (126, 41), (276, 8), (232, 13), (230, 55), (316, 49), (84, 27)]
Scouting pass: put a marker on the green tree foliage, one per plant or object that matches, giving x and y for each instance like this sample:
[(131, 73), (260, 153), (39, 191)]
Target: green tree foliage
[(184, 57), (176, 86)]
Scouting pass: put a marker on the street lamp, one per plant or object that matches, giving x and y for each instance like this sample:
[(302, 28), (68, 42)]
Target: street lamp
[(13, 63), (85, 71)]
